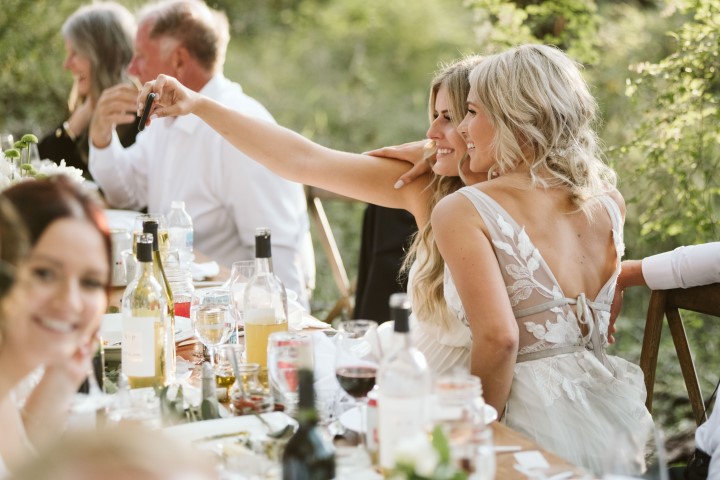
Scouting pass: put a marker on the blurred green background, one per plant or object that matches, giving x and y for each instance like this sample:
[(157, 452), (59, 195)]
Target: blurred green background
[(353, 75)]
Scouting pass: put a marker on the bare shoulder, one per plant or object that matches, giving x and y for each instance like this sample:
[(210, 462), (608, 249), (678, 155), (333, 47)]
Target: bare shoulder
[(618, 198), (450, 208)]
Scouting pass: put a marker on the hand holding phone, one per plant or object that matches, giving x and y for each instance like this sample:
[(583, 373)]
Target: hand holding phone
[(146, 111)]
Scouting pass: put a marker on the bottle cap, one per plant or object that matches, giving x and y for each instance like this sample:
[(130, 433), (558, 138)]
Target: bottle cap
[(262, 243), (306, 393), (177, 204), (144, 248), (151, 226), (400, 312)]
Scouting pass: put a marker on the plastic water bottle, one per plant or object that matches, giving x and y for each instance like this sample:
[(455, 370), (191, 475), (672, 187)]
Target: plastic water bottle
[(180, 228)]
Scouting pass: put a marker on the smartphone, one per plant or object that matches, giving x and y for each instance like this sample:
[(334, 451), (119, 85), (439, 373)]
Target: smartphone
[(146, 111)]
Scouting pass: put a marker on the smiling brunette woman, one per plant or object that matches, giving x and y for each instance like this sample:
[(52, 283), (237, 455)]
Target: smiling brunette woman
[(51, 313)]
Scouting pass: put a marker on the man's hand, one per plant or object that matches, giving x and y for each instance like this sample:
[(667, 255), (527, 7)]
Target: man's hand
[(418, 153), (115, 106), (630, 276), (173, 98)]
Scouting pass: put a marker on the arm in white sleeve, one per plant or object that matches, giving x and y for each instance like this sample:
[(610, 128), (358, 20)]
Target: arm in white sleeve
[(707, 439), (684, 267), (121, 172)]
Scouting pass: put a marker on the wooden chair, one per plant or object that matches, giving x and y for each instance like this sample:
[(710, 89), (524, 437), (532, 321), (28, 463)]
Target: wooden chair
[(344, 304), (668, 303)]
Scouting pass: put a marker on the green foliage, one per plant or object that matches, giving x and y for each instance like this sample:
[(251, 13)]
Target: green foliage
[(569, 24), (677, 139)]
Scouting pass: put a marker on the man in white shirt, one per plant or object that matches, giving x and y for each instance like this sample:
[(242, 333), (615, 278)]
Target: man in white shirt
[(226, 193), (683, 267)]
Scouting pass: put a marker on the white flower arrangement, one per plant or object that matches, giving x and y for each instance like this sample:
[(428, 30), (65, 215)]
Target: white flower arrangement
[(425, 458), (16, 166)]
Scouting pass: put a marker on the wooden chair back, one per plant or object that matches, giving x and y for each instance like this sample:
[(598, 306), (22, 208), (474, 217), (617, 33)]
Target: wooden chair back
[(668, 303)]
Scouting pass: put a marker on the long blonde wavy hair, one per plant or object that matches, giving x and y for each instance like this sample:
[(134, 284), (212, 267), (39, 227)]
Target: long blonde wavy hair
[(427, 288), (544, 115)]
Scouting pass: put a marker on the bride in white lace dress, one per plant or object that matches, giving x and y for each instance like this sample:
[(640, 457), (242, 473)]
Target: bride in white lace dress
[(534, 256)]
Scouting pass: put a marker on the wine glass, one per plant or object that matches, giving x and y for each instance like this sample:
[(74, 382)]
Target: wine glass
[(212, 318), (357, 358), (241, 272), (287, 352)]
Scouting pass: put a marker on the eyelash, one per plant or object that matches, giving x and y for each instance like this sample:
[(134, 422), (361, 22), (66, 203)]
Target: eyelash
[(44, 274), (472, 112), (47, 275), (92, 283)]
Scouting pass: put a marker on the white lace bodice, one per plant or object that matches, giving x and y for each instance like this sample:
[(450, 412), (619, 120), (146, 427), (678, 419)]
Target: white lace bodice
[(548, 320)]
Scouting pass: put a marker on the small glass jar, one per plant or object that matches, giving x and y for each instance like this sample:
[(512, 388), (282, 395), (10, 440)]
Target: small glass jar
[(180, 281), (247, 395), (459, 411)]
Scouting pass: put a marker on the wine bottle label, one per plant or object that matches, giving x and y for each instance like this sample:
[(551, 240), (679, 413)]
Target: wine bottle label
[(399, 418), (138, 346)]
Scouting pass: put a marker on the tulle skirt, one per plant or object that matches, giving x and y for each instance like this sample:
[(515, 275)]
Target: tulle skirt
[(577, 408)]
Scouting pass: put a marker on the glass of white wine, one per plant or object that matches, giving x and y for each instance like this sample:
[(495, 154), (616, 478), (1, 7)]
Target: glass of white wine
[(212, 318), (164, 238)]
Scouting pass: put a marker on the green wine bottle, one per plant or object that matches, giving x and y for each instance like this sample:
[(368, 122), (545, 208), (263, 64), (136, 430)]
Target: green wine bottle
[(309, 455)]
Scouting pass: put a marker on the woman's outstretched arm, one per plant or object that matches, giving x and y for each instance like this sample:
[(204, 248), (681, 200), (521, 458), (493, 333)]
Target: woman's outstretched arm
[(291, 155)]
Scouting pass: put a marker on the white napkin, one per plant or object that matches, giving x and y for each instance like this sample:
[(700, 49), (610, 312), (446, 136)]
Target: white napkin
[(201, 271), (305, 320), (324, 369)]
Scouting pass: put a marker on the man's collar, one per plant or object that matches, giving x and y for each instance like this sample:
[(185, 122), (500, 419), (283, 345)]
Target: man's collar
[(212, 89)]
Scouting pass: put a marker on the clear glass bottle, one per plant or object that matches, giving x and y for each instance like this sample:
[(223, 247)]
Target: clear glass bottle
[(144, 324), (459, 411), (265, 302), (180, 228), (152, 227), (404, 386), (308, 455)]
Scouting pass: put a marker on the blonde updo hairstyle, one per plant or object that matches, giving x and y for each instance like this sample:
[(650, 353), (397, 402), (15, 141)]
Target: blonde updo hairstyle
[(542, 110), (427, 288)]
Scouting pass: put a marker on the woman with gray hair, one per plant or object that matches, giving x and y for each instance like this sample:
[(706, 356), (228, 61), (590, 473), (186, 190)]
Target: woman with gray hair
[(99, 44)]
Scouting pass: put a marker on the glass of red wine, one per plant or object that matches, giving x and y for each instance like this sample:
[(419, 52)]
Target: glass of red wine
[(357, 359)]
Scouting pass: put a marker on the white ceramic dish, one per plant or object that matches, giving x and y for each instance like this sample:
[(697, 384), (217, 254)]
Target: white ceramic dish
[(350, 419), (111, 330), (228, 429)]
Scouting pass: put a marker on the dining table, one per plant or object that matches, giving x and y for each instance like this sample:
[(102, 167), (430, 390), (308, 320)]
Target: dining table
[(511, 447)]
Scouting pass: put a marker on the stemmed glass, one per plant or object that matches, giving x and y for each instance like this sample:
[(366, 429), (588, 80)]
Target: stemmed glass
[(164, 239), (357, 358), (241, 272), (212, 318), (287, 352)]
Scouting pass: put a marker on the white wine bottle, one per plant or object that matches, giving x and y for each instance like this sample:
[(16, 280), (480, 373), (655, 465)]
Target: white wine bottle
[(266, 308), (144, 321), (404, 386), (152, 227)]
